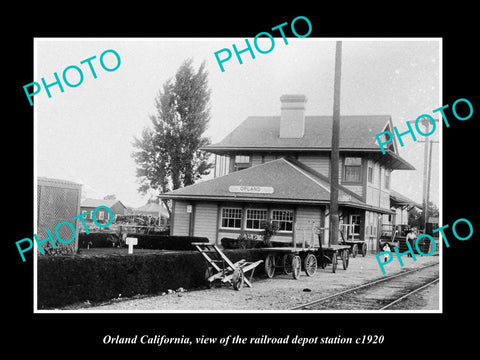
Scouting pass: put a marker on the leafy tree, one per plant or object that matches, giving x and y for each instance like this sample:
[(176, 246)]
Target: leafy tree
[(110, 197), (168, 155), (416, 217)]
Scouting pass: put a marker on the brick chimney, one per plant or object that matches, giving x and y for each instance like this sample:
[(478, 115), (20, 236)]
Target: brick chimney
[(292, 121)]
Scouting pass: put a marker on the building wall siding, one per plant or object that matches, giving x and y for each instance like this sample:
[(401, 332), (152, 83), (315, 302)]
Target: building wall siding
[(376, 192), (269, 157), (307, 218), (357, 189), (117, 208), (319, 162), (181, 219), (206, 221), (385, 199), (256, 159)]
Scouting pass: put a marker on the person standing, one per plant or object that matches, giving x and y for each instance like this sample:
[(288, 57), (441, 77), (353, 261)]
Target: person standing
[(411, 236)]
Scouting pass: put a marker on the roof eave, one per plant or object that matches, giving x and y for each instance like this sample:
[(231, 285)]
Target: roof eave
[(243, 199), (273, 200), (228, 149), (393, 161)]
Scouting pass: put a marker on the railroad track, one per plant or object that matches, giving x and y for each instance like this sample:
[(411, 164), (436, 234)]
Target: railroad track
[(379, 294)]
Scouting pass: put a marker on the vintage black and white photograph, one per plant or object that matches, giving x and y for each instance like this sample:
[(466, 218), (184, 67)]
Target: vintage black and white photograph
[(271, 174)]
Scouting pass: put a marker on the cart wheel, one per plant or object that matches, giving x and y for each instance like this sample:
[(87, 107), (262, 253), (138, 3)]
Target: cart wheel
[(270, 265), (296, 266), (310, 264), (237, 279), (364, 249), (287, 264), (354, 250), (208, 273), (334, 262), (345, 257)]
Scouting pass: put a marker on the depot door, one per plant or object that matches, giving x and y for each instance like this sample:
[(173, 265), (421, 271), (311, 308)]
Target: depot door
[(354, 229)]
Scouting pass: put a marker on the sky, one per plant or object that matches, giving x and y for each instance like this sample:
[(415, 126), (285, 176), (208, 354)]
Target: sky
[(85, 134)]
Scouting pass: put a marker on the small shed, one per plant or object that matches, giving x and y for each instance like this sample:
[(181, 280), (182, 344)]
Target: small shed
[(102, 216), (57, 201)]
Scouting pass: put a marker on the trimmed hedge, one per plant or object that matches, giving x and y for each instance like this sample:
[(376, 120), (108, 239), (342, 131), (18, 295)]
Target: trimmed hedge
[(97, 240), (145, 241), (64, 280), (166, 242), (230, 243)]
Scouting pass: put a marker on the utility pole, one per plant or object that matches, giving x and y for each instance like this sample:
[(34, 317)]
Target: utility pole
[(427, 168), (425, 176), (334, 157)]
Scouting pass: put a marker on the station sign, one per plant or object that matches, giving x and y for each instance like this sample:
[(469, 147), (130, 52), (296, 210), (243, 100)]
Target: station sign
[(251, 189)]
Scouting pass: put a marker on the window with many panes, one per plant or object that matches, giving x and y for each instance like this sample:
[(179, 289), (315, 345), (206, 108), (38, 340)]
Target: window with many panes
[(387, 179), (283, 219), (352, 169), (241, 162), (255, 218), (231, 218), (354, 230)]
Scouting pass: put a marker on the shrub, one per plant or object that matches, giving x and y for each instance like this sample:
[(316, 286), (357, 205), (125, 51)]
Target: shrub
[(270, 228), (166, 242), (64, 280), (229, 243), (243, 241), (98, 240), (59, 250)]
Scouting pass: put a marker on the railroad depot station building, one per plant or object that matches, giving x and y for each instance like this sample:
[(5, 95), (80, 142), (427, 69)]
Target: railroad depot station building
[(277, 168)]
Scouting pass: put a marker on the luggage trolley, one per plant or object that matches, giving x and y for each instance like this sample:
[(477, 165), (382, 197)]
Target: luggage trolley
[(355, 245), (222, 269), (293, 259)]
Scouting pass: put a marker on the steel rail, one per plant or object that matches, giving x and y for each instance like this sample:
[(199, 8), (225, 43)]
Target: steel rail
[(300, 307), (409, 294)]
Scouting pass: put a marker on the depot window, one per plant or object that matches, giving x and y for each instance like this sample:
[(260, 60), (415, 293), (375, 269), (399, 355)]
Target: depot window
[(241, 162), (283, 219), (370, 174), (387, 179), (352, 169), (231, 218), (255, 218)]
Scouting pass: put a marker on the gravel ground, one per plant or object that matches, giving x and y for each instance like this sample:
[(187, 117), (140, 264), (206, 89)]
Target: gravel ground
[(426, 299), (280, 293)]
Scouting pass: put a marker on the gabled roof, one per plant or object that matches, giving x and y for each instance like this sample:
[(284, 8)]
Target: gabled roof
[(292, 182), (356, 132), (398, 199), (89, 202), (152, 207)]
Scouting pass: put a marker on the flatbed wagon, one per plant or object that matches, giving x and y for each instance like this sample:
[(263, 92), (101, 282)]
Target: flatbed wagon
[(356, 246), (293, 259)]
